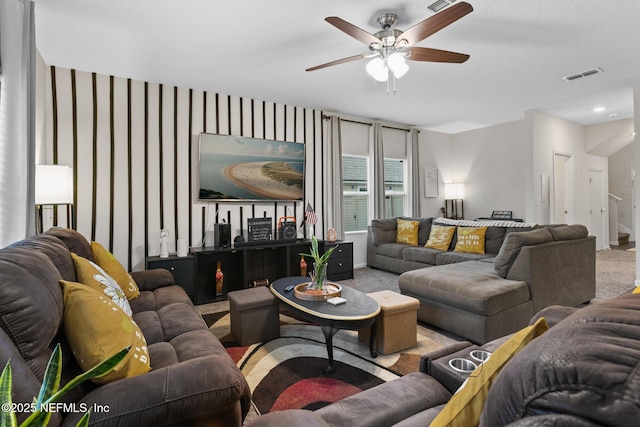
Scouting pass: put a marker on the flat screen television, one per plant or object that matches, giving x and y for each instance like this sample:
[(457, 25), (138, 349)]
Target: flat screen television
[(241, 168)]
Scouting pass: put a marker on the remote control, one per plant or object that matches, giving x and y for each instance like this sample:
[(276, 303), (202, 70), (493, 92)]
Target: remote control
[(289, 288)]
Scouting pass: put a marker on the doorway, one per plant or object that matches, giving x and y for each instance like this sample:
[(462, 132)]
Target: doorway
[(562, 188), (597, 209)]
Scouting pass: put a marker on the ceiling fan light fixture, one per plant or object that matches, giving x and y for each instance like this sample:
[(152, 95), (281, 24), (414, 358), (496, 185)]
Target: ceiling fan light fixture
[(377, 68), (397, 64)]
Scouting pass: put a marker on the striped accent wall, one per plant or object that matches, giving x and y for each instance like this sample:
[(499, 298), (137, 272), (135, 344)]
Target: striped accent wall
[(133, 147)]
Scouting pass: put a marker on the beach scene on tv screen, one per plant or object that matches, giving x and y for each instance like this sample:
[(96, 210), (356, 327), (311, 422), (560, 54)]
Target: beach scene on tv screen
[(242, 168)]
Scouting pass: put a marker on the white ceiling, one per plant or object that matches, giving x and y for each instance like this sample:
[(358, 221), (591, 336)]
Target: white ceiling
[(520, 50)]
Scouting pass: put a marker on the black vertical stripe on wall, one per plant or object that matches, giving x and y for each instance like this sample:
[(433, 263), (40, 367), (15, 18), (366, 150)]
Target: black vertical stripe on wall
[(275, 121), (241, 107), (204, 215), (190, 167), (284, 109), (161, 157), (146, 169), (204, 111), (264, 119), (228, 114), (175, 161), (129, 175), (94, 154), (241, 222), (54, 112), (322, 168), (74, 112), (112, 139), (217, 113)]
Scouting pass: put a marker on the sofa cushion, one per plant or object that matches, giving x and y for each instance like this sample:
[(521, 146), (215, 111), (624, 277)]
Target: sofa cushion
[(512, 245), (73, 240), (568, 232), (96, 328), (585, 366), (493, 239), (383, 230), (470, 239), (113, 268), (471, 286), (31, 304), (466, 405), (420, 254), (407, 232), (443, 258), (440, 237), (91, 275), (53, 248), (393, 250)]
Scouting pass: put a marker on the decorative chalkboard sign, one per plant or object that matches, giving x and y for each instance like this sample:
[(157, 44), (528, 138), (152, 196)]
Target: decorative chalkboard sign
[(259, 229)]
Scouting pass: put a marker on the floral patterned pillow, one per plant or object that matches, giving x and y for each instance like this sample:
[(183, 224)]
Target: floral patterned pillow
[(112, 266), (91, 275)]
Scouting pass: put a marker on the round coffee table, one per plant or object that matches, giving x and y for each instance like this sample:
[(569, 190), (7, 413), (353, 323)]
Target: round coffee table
[(360, 311)]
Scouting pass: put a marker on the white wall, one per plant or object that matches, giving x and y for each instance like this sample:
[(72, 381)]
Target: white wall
[(490, 163), (550, 135)]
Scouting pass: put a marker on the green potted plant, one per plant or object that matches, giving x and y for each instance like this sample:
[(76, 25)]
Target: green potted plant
[(320, 262), (49, 393)]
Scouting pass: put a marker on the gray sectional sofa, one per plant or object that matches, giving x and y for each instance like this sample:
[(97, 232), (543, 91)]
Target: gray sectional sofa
[(482, 297)]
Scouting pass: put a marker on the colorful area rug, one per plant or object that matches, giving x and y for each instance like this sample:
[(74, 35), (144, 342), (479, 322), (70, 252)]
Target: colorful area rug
[(287, 372)]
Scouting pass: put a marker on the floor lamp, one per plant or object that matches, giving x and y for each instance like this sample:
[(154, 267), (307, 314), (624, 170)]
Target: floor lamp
[(54, 186)]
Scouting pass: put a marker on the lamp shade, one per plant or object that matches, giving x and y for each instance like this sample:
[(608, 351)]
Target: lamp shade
[(453, 191), (54, 185), (397, 64), (377, 69)]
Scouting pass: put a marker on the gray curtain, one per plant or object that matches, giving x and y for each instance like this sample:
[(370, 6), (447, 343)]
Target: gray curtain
[(378, 172), (17, 124), (332, 175), (414, 173)]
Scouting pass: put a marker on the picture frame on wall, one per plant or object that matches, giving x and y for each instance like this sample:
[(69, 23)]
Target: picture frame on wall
[(430, 182)]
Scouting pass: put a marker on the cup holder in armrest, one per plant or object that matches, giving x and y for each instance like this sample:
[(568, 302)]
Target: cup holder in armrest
[(480, 355), (462, 365)]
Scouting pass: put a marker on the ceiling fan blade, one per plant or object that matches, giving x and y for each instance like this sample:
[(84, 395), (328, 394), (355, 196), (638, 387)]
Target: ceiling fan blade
[(436, 55), (337, 62), (435, 23), (355, 32)]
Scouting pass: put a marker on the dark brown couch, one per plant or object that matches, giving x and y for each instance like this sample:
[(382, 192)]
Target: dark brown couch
[(584, 371), (192, 381)]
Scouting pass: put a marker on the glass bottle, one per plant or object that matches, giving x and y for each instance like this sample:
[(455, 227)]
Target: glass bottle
[(303, 266), (219, 278)]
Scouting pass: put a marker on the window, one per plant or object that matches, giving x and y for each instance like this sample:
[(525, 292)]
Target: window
[(394, 187), (355, 188)]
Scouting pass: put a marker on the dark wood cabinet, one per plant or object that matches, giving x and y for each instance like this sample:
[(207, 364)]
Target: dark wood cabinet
[(182, 269), (245, 265), (340, 265)]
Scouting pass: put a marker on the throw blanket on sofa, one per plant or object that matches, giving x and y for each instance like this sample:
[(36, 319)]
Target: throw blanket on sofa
[(492, 223)]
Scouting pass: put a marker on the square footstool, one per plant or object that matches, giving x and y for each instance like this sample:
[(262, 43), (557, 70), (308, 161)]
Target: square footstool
[(397, 322), (255, 315)]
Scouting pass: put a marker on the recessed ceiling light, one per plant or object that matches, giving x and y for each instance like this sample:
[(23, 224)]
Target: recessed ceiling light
[(598, 109)]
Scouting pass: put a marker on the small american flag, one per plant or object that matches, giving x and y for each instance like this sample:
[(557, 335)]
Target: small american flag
[(310, 215)]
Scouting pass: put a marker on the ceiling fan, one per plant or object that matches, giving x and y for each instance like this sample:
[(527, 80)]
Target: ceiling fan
[(390, 46)]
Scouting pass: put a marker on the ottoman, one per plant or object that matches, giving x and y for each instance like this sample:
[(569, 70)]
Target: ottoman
[(397, 322), (254, 315)]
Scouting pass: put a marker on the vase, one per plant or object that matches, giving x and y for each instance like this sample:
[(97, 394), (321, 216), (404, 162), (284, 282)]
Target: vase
[(219, 278), (320, 276), (303, 266)]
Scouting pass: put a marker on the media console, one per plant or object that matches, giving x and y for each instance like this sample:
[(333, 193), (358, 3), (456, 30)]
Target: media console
[(245, 265)]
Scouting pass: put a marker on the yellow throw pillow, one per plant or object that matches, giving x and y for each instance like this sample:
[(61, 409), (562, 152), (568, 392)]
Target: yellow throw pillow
[(636, 290), (471, 239), (112, 266), (440, 237), (90, 274), (465, 407), (96, 328), (407, 232)]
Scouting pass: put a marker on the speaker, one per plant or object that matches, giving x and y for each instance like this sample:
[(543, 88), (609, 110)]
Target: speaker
[(222, 235), (288, 230)]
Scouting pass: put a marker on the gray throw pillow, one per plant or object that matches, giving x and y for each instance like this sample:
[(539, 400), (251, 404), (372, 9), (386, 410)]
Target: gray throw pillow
[(569, 232)]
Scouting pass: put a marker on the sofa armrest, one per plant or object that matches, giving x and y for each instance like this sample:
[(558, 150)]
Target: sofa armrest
[(387, 404), (186, 393), (553, 314), (289, 417), (148, 280), (427, 358)]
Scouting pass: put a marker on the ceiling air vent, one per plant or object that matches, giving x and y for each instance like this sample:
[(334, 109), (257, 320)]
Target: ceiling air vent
[(586, 73), (439, 5)]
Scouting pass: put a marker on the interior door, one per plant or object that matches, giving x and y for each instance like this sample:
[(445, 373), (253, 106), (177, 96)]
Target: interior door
[(597, 209), (562, 188)]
